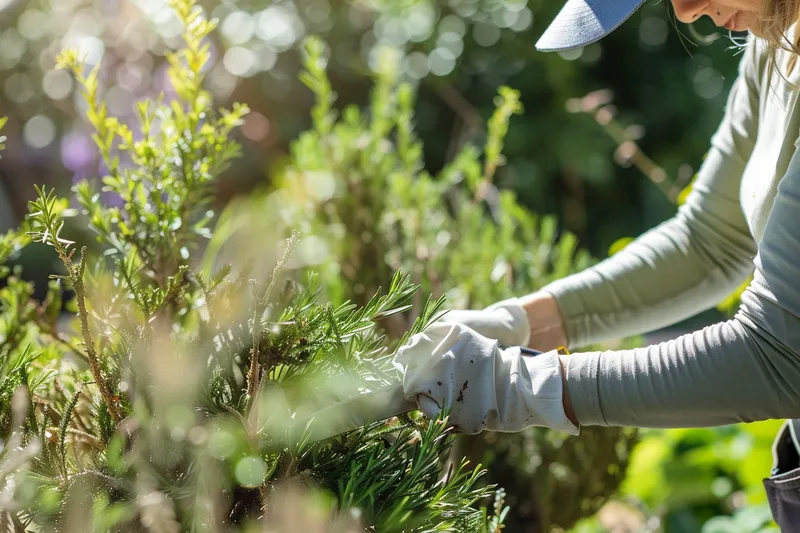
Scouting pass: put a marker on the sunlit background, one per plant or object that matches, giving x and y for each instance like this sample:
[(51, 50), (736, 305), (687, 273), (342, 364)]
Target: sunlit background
[(569, 154), (666, 90)]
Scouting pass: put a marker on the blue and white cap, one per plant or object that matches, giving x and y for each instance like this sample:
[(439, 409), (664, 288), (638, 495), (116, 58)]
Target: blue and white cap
[(583, 22)]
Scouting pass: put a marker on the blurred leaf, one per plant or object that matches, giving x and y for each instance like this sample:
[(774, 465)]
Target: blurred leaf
[(619, 245)]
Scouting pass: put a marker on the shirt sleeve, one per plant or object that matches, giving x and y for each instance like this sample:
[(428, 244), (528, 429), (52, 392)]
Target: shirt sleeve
[(741, 370), (687, 264)]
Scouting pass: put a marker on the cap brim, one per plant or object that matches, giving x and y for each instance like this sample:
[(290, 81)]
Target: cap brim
[(582, 22)]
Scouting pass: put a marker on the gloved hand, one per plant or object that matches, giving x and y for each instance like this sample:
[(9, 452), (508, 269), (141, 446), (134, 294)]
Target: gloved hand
[(505, 321), (450, 365)]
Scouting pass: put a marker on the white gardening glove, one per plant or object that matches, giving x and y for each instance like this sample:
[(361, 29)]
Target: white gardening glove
[(451, 366), (505, 321)]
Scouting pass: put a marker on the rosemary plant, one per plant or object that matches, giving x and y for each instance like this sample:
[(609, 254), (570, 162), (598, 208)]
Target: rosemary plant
[(155, 388)]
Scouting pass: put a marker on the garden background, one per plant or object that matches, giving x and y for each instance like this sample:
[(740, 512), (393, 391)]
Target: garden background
[(604, 141)]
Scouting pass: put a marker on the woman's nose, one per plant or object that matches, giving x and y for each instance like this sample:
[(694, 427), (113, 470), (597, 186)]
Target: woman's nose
[(688, 11)]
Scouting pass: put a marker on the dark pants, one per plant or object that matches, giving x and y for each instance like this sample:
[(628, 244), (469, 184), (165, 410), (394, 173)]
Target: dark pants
[(783, 487)]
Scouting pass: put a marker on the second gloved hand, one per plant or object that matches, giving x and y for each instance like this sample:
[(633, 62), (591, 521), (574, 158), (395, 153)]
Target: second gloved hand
[(505, 321), (452, 366)]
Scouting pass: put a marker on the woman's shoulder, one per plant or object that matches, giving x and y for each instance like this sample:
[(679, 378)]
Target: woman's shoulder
[(765, 64), (755, 58)]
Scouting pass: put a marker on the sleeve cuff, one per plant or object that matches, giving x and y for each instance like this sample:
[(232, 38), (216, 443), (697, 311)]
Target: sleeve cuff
[(583, 387)]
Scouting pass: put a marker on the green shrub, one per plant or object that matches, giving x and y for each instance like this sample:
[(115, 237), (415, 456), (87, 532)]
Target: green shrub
[(152, 392), (357, 189)]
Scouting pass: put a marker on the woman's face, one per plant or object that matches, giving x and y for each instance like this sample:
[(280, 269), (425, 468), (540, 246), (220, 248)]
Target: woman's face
[(735, 15)]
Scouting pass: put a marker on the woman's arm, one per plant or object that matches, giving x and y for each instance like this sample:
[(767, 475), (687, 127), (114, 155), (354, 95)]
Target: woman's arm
[(678, 269), (745, 369)]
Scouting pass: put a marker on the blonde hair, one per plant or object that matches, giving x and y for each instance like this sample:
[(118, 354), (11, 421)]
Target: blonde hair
[(780, 16)]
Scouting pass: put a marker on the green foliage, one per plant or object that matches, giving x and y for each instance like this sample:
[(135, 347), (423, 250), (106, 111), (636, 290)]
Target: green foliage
[(731, 303), (747, 520), (686, 477), (357, 181), (11, 243), (167, 399), (3, 121), (356, 187), (166, 193), (549, 174), (507, 103)]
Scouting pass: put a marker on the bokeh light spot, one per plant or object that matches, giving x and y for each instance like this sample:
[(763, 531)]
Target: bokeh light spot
[(592, 53), (524, 21), (250, 471), (239, 61), (514, 5), (452, 24), (318, 11), (87, 22), (151, 7), (505, 18), (167, 23), (312, 250), (266, 57), (653, 31), (441, 61), (571, 55), (384, 58), (452, 41), (485, 34), (221, 444), (39, 132), (256, 126), (12, 46), (465, 9), (391, 30), (415, 65), (221, 82), (419, 23), (57, 84), (19, 88), (131, 76), (90, 49), (279, 27), (33, 24), (708, 83), (238, 27)]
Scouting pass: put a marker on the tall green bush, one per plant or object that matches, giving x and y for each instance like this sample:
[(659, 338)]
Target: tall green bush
[(148, 393), (357, 188)]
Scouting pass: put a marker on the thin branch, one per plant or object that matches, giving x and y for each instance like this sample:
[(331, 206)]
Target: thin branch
[(597, 105), (646, 166), (88, 341), (259, 306), (255, 355), (470, 117)]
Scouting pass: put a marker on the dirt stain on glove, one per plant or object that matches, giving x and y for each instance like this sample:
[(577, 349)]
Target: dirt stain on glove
[(461, 392)]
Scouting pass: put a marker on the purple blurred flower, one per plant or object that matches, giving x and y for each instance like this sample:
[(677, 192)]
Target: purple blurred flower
[(78, 151), (81, 174), (111, 199)]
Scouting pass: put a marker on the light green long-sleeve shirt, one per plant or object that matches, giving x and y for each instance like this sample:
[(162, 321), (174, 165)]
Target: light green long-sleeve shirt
[(742, 217)]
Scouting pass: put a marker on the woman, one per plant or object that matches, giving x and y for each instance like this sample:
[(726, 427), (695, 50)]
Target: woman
[(742, 217)]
